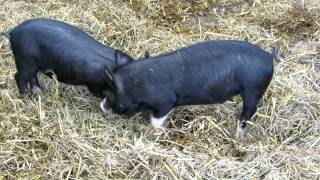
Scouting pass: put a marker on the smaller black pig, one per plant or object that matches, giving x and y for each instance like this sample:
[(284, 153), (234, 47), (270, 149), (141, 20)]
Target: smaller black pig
[(53, 46), (203, 73)]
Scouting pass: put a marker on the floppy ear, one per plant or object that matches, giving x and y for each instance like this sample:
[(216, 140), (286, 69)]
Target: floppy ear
[(122, 58), (109, 77)]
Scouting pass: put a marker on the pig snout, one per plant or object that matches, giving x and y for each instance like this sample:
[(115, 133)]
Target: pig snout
[(105, 107)]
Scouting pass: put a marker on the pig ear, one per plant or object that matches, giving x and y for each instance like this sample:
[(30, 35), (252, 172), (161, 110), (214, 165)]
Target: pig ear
[(122, 58), (109, 77)]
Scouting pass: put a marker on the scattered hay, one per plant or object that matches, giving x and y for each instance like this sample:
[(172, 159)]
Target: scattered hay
[(63, 134), (298, 23)]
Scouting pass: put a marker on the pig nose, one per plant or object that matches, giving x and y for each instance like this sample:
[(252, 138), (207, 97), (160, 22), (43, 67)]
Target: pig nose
[(103, 107)]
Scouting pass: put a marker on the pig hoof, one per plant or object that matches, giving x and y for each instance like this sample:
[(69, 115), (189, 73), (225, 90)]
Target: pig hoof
[(241, 129), (241, 132), (36, 90), (22, 95), (157, 122)]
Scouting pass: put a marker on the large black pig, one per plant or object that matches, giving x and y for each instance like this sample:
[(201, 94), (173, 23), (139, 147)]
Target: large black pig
[(48, 46), (203, 73)]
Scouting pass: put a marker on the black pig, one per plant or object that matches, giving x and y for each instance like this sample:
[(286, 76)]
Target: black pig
[(203, 73), (53, 46)]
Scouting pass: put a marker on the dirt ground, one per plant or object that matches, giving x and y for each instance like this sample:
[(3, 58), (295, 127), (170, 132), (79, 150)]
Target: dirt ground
[(64, 135)]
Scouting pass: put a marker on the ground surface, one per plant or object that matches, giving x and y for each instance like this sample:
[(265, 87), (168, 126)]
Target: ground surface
[(63, 134)]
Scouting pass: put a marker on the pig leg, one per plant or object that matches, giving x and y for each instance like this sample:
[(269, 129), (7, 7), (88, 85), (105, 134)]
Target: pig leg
[(26, 72), (22, 80), (35, 85), (159, 116), (250, 100)]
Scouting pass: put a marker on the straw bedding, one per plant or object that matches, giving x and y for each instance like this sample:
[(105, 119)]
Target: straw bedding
[(63, 134)]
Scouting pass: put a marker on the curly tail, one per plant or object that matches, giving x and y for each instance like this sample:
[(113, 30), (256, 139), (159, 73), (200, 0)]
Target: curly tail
[(6, 34)]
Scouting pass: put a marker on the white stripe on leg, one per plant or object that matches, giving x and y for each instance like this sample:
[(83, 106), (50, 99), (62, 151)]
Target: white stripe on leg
[(158, 122)]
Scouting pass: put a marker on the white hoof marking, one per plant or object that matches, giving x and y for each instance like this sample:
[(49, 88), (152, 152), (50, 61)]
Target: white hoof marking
[(241, 132), (158, 122)]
